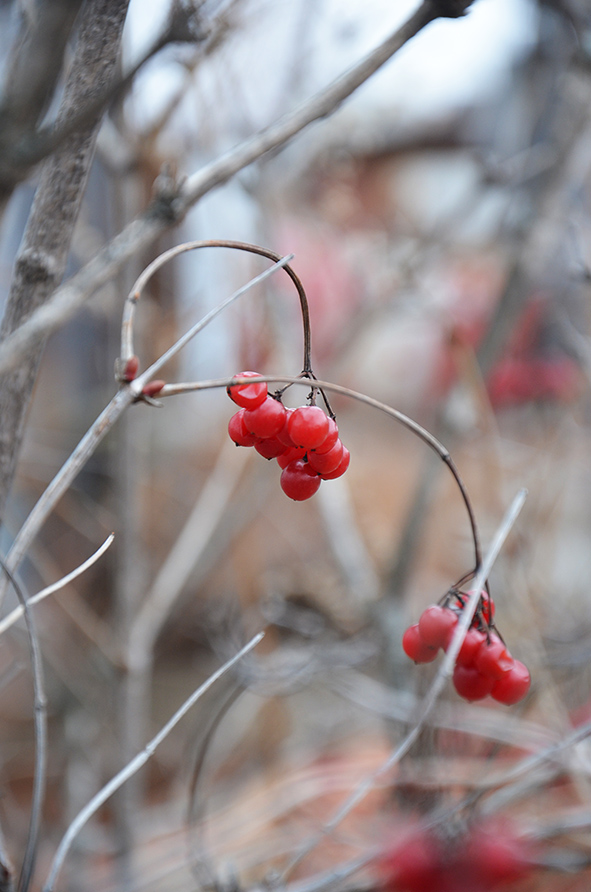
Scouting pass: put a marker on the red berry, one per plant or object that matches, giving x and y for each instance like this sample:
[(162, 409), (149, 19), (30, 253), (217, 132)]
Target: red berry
[(494, 853), (470, 647), (265, 420), (248, 396), (238, 432), (308, 426), (330, 439), (436, 625), (493, 658), (513, 686), (299, 481), (283, 434), (270, 447), (414, 863), (326, 462), (291, 454), (470, 683), (415, 648), (342, 466)]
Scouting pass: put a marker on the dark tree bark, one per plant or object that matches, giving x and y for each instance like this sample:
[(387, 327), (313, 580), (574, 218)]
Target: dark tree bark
[(41, 261)]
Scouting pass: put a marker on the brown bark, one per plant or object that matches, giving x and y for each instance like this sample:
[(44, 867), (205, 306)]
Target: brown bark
[(42, 258)]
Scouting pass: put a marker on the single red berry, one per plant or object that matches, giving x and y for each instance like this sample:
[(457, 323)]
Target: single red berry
[(341, 468), (493, 658), (270, 447), (326, 462), (308, 426), (437, 625), (299, 481), (238, 432), (265, 420), (291, 454), (248, 396), (414, 862), (415, 648), (470, 647), (330, 439), (470, 683), (513, 686), (493, 852)]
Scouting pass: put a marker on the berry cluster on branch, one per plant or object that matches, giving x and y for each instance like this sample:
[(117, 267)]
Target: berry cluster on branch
[(305, 441), (485, 857), (483, 665)]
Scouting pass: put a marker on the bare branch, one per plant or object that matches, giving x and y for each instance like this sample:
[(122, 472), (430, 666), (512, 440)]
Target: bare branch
[(134, 766), (32, 72), (40, 721), (162, 215), (43, 254), (429, 701), (11, 618)]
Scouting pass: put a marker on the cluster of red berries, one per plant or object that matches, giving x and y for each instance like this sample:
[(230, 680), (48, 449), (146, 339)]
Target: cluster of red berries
[(305, 441), (483, 665), (485, 858)]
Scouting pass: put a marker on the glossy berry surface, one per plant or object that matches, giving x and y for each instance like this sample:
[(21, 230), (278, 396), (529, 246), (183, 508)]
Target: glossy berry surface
[(341, 467), (299, 481), (493, 658), (292, 453), (238, 432), (266, 420), (513, 686), (437, 625), (248, 396), (415, 648), (271, 447), (308, 426), (470, 683), (470, 647), (326, 462), (330, 438)]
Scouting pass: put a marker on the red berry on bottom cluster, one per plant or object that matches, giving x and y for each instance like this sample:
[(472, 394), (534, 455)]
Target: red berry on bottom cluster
[(484, 858), (483, 664)]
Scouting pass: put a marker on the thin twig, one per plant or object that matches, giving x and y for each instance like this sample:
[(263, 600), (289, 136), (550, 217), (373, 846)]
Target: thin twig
[(411, 425), (40, 721), (134, 766), (144, 230), (137, 385), (112, 412), (11, 618), (134, 295)]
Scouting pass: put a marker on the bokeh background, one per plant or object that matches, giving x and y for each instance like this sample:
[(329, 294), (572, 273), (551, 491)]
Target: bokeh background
[(440, 224)]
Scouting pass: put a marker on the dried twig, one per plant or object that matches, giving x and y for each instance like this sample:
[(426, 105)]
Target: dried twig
[(134, 766), (112, 412), (429, 701), (143, 231), (11, 618), (40, 721)]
